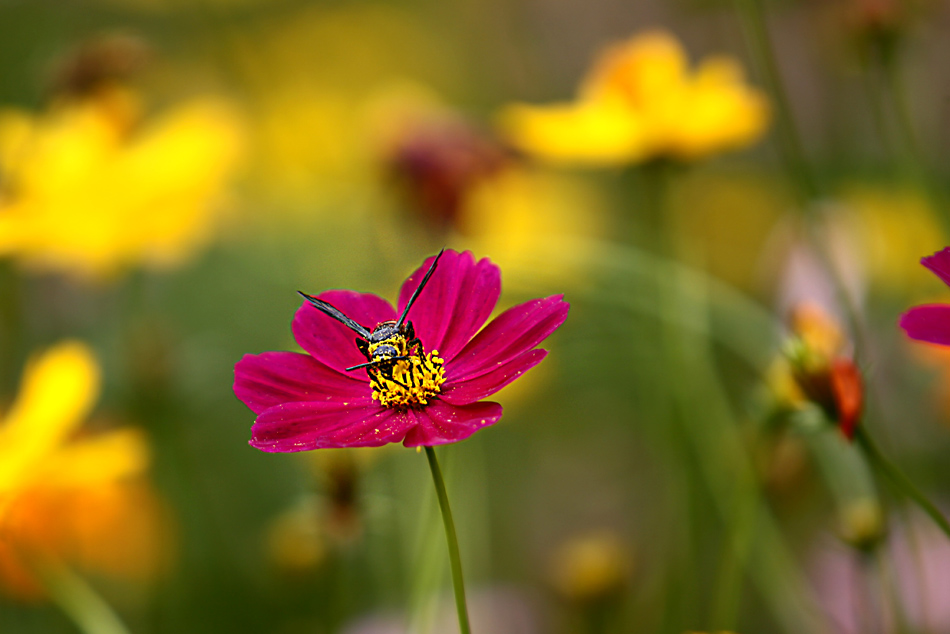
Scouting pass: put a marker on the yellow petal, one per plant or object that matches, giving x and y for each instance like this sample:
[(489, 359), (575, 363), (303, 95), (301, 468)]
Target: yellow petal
[(104, 458), (640, 101), (92, 198), (15, 130), (593, 133), (713, 111), (179, 166), (637, 70), (58, 390)]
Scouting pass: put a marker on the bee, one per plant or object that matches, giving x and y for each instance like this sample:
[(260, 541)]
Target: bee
[(390, 341)]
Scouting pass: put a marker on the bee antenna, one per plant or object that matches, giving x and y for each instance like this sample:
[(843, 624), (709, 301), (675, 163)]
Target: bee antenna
[(415, 294), (332, 311)]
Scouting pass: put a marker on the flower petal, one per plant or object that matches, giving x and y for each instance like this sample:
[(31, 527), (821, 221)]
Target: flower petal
[(457, 299), (58, 390), (470, 390), (318, 425), (441, 423), (848, 391), (329, 341), (939, 263), (265, 380), (515, 331), (930, 322), (97, 460)]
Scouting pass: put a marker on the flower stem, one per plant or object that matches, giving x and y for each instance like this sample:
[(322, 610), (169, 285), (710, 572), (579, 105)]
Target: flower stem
[(80, 602), (899, 480), (760, 45), (458, 583), (809, 189)]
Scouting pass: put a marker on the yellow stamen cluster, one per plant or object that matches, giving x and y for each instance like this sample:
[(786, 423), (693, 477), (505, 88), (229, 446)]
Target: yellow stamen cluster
[(414, 381)]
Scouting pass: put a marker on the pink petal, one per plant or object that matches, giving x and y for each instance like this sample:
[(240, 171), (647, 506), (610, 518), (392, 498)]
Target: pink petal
[(470, 390), (262, 381), (939, 263), (440, 423), (318, 425), (455, 302), (930, 322), (515, 331), (329, 341)]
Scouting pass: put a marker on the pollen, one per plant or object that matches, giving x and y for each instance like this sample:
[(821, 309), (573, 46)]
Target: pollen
[(410, 383)]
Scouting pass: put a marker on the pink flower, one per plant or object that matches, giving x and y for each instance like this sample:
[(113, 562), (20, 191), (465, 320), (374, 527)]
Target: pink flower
[(931, 322), (423, 393)]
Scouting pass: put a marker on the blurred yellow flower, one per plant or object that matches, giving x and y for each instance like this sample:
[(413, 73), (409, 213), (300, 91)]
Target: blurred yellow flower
[(68, 498), (591, 567), (641, 101), (90, 189), (295, 540), (862, 523), (520, 214), (312, 78), (891, 228), (727, 219)]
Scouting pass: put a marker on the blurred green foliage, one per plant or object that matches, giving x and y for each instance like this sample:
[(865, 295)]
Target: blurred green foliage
[(651, 432)]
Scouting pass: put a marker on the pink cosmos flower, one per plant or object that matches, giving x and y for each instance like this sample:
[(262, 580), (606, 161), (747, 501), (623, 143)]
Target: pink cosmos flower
[(427, 392), (931, 322)]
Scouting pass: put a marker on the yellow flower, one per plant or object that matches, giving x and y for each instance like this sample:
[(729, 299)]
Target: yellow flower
[(520, 213), (68, 498), (88, 188), (891, 227), (591, 567), (295, 539), (641, 101)]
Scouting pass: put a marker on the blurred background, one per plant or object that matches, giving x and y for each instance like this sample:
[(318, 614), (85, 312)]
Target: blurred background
[(734, 197)]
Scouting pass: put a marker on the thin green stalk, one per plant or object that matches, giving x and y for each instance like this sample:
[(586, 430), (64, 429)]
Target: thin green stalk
[(709, 435), (913, 151), (760, 44), (893, 84), (458, 583), (810, 191), (727, 596), (899, 480), (80, 602), (890, 592)]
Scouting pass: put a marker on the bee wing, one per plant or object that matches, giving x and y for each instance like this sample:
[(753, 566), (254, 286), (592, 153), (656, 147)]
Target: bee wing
[(415, 294), (332, 311)]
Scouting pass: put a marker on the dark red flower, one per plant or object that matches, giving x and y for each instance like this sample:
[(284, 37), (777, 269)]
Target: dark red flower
[(823, 369), (438, 161), (847, 390), (311, 401)]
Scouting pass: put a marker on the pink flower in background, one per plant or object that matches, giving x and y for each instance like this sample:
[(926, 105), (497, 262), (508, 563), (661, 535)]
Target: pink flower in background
[(931, 322), (424, 385), (850, 592)]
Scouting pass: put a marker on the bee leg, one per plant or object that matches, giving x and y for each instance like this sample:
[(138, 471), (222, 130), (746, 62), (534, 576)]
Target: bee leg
[(412, 346), (387, 372), (363, 347)]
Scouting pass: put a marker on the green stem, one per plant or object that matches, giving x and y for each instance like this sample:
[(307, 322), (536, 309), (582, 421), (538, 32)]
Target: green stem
[(458, 583), (899, 480), (913, 152), (793, 154), (809, 190), (80, 602)]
